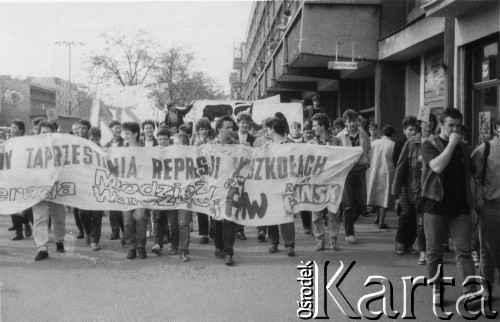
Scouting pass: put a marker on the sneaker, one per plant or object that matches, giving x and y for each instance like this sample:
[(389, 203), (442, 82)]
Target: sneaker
[(132, 254), (28, 231), (228, 260), (307, 231), (204, 240), (141, 252), (320, 245), (273, 248), (174, 251), (148, 234), (421, 260), (12, 228), (18, 237), (184, 257), (383, 226), (400, 249), (261, 236), (351, 240), (43, 254), (333, 245), (60, 247), (290, 252), (218, 253), (114, 236), (241, 235), (94, 247), (156, 249)]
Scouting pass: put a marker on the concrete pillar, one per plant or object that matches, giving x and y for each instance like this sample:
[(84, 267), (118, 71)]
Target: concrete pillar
[(449, 62), (390, 95)]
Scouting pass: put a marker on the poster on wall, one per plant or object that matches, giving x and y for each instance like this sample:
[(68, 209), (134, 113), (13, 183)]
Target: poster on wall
[(484, 126), (424, 113)]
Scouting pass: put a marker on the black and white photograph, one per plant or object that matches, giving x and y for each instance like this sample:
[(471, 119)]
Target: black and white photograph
[(278, 160)]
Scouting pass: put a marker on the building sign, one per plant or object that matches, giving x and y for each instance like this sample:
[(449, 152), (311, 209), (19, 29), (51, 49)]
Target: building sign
[(342, 65), (424, 113)]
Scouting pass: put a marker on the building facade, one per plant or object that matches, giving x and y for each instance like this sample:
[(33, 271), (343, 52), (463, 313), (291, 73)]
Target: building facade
[(20, 99), (409, 53), (66, 94)]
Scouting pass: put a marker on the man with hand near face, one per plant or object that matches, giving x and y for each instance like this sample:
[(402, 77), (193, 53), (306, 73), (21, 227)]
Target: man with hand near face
[(447, 199)]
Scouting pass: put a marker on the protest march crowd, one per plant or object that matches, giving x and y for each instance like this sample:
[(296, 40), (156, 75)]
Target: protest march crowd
[(440, 188)]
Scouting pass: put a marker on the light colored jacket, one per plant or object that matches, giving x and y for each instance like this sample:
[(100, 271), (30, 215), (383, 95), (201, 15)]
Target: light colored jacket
[(490, 190)]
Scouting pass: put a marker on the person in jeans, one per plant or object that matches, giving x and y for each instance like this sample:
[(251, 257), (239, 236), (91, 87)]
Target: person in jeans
[(224, 230), (354, 197), (203, 129), (277, 132), (92, 219), (180, 220), (116, 217), (160, 217), (487, 181), (266, 138), (320, 124), (447, 199), (135, 221), (44, 210), (407, 187)]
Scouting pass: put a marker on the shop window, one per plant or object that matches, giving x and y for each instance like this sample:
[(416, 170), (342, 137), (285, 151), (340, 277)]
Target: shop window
[(485, 59), (485, 113)]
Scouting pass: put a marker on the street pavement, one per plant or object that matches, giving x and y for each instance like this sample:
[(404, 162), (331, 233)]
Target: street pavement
[(104, 286)]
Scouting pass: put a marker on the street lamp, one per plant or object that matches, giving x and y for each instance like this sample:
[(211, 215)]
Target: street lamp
[(69, 44)]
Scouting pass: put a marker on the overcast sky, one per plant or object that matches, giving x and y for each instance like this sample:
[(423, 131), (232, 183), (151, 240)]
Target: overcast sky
[(28, 32)]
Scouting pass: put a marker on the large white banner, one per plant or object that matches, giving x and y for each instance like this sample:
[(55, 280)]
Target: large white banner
[(259, 110), (251, 186)]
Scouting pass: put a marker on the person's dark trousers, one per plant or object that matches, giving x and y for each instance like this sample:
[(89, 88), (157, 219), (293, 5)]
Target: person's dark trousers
[(92, 223), (407, 222), (420, 232), (225, 235), (306, 219), (354, 198), (203, 224), (116, 222), (160, 226), (78, 222), (17, 222), (288, 232), (28, 216), (173, 223)]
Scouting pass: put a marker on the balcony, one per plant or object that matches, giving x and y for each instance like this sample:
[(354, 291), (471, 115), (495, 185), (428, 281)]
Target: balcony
[(453, 8), (300, 60)]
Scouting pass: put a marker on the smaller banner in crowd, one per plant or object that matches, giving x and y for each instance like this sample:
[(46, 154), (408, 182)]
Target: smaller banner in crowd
[(251, 186)]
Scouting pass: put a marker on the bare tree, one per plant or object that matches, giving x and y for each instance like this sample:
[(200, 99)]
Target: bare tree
[(126, 59), (178, 83)]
